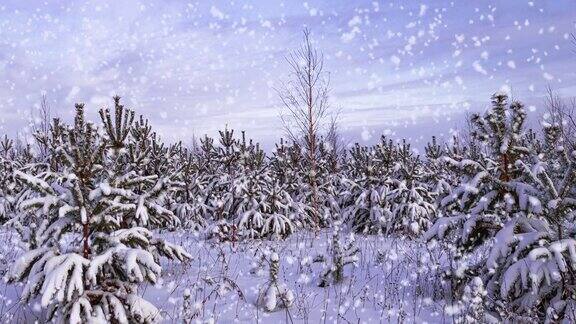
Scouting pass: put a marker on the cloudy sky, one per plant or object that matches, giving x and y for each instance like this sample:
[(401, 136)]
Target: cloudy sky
[(403, 68)]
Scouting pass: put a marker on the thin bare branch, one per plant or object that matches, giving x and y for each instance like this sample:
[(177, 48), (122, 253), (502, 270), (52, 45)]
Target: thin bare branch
[(305, 103)]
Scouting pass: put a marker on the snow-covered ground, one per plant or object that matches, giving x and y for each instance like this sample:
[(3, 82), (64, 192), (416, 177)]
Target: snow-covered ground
[(395, 281)]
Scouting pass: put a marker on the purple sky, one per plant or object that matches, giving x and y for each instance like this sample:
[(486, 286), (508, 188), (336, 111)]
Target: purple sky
[(404, 68)]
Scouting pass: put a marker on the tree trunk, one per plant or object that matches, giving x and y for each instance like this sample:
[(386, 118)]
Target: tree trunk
[(85, 234)]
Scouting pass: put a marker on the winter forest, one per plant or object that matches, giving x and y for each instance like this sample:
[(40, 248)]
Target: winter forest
[(104, 219)]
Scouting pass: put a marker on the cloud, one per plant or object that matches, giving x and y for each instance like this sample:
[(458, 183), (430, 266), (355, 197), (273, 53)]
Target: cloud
[(194, 67)]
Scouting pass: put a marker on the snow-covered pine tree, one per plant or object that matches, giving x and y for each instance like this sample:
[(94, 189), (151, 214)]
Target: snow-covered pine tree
[(8, 185), (228, 151), (286, 165), (268, 215), (330, 186), (188, 202), (438, 177), (251, 156), (266, 209), (366, 207), (249, 213), (93, 245), (279, 211), (532, 259), (25, 223), (208, 175), (287, 169), (256, 207), (207, 156), (225, 187), (413, 207), (483, 197), (444, 178), (146, 155), (7, 148), (494, 202)]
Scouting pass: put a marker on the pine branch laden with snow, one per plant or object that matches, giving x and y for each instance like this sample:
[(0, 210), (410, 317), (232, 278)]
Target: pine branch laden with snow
[(93, 195), (277, 226), (270, 217), (280, 212), (370, 214), (532, 270), (191, 215), (413, 211), (251, 224)]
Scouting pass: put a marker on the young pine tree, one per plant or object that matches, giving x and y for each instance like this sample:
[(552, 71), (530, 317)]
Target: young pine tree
[(366, 207), (93, 243), (534, 254), (413, 208), (495, 205)]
